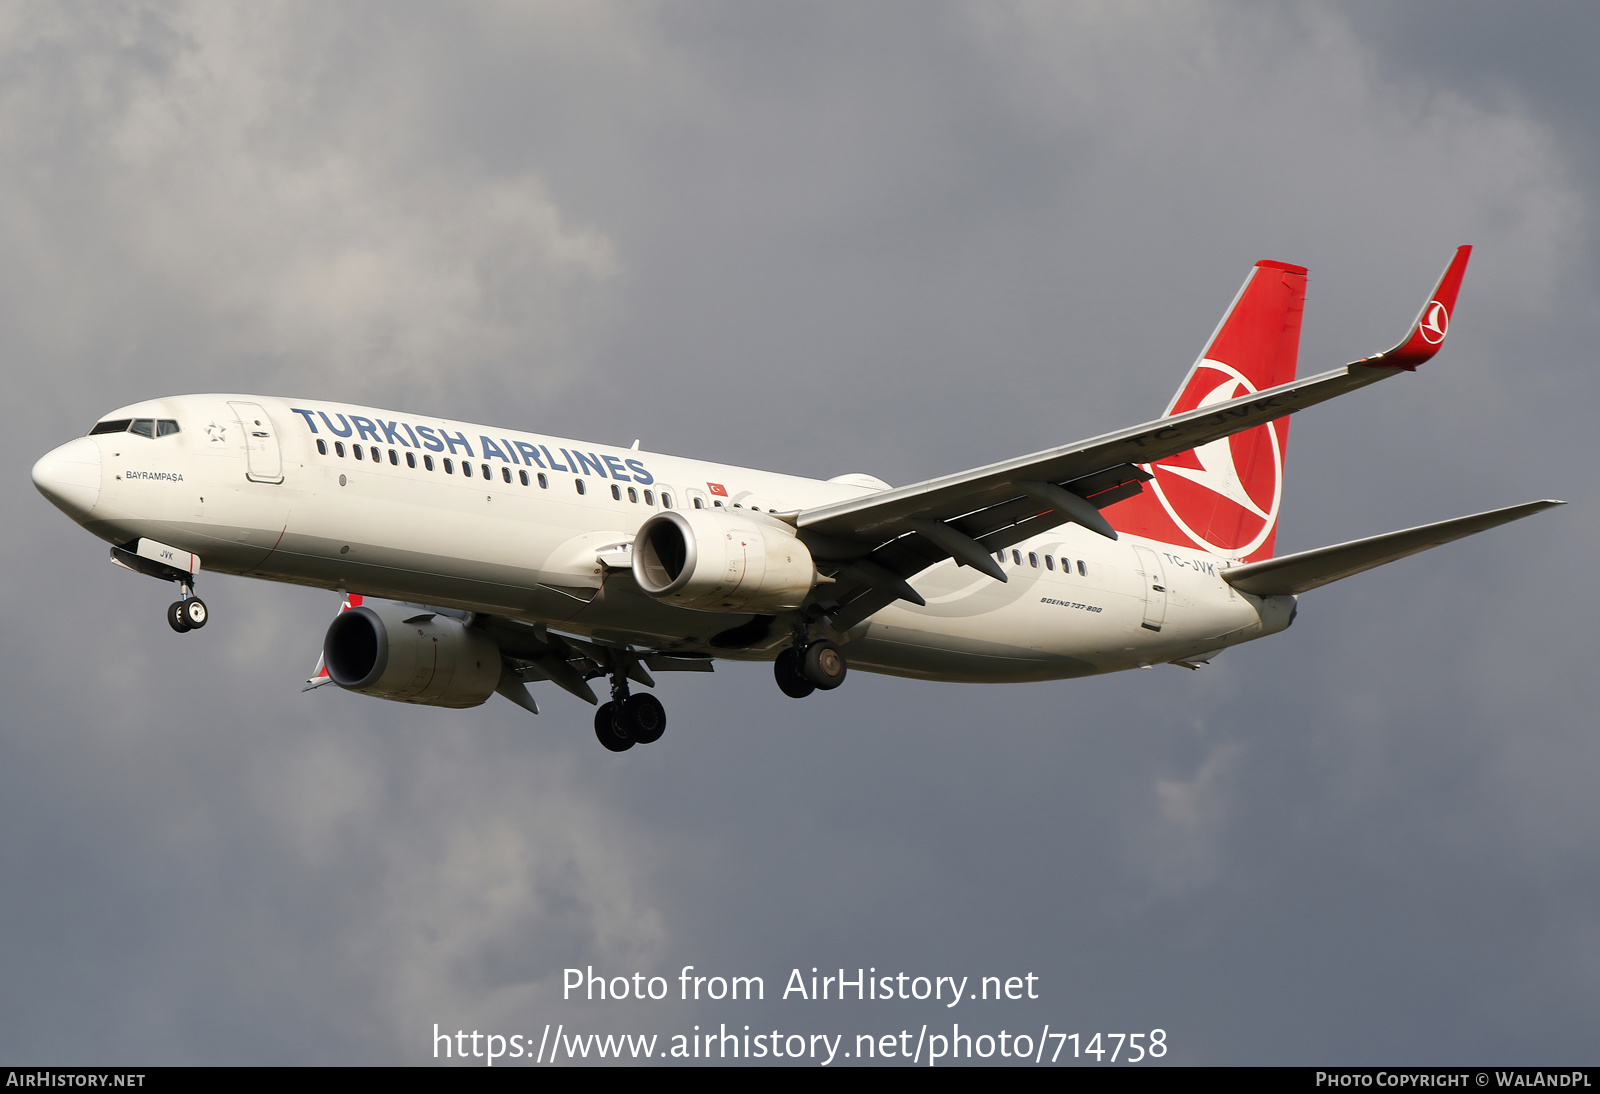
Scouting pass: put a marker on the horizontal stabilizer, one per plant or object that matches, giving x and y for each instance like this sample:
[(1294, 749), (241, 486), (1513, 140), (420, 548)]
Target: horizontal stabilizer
[(1308, 570)]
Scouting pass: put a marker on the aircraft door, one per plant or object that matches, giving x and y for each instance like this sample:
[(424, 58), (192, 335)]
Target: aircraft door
[(263, 458), (1155, 588)]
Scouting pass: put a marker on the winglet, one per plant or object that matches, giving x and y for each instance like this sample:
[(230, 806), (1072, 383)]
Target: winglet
[(1433, 321)]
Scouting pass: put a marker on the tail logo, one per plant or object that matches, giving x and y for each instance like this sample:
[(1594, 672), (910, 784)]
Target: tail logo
[(1233, 497), (1435, 323)]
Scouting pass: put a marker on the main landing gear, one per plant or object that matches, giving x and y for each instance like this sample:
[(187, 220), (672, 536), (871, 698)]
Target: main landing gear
[(188, 613), (808, 666), (629, 719)]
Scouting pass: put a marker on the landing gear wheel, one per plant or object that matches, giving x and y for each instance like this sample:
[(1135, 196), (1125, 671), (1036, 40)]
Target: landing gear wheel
[(791, 680), (194, 612), (175, 617), (824, 665), (642, 718), (605, 729)]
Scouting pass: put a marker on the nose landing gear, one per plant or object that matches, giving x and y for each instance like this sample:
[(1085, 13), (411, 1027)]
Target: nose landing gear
[(188, 614), (165, 563)]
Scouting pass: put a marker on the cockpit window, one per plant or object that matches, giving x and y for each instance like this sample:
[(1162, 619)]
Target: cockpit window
[(144, 427), (115, 425), (166, 427)]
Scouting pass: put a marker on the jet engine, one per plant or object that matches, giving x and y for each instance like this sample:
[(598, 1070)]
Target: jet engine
[(715, 560), (411, 655)]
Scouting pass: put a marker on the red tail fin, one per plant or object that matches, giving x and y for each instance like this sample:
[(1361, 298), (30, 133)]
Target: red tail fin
[(1223, 497)]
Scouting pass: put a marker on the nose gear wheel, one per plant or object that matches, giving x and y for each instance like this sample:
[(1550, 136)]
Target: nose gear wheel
[(187, 615)]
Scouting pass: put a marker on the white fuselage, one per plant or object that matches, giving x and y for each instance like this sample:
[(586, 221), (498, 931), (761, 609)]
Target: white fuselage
[(478, 542)]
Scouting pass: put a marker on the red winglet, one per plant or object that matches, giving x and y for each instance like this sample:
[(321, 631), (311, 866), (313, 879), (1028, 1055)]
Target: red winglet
[(1433, 322)]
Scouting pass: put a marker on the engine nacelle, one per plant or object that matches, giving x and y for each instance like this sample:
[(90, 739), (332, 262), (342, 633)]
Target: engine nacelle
[(411, 656), (719, 561)]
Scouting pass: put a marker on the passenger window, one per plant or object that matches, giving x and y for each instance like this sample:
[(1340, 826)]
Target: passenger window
[(616, 492), (427, 463), (375, 457), (1033, 560), (322, 447), (144, 427), (505, 473), (1083, 571), (394, 458), (1049, 564), (355, 450), (666, 500), (633, 495), (1001, 555), (523, 475), (449, 466), (411, 459), (1016, 556), (338, 449), (582, 489), (115, 425), (718, 504), (544, 483), (166, 427), (697, 504), (649, 498), (486, 473)]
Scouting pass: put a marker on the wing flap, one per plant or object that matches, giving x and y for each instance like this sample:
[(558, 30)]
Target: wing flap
[(1307, 570)]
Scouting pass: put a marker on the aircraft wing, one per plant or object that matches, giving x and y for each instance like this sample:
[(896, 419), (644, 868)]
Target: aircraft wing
[(877, 541), (1307, 570)]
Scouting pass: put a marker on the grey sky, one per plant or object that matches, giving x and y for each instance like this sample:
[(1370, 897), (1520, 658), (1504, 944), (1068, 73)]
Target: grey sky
[(894, 238)]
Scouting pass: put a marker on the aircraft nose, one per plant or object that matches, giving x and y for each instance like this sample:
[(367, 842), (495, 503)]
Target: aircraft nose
[(70, 477)]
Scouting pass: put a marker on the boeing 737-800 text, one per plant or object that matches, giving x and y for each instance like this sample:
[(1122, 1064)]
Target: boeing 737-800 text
[(474, 560)]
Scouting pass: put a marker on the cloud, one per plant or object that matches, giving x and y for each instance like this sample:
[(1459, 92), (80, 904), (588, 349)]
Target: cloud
[(1186, 843), (215, 163), (903, 239)]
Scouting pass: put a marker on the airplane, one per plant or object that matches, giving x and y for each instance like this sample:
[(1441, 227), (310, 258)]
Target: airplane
[(472, 561)]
